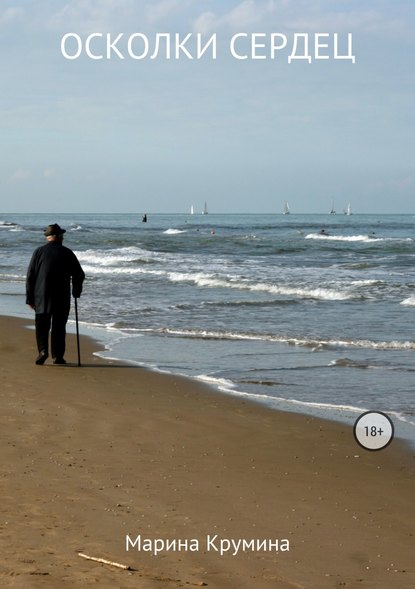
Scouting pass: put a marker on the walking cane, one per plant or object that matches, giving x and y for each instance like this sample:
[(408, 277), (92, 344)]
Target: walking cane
[(77, 331)]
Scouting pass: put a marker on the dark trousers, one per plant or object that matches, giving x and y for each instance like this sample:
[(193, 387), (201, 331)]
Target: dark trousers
[(43, 323)]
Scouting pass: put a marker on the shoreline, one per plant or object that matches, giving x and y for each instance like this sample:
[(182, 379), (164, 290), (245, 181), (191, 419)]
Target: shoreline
[(343, 414), (93, 454), (336, 414), (404, 430)]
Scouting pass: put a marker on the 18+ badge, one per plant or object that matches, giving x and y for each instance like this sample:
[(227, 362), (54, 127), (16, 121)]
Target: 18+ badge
[(373, 430)]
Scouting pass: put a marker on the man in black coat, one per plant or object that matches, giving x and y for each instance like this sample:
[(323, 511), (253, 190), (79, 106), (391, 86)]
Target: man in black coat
[(48, 292)]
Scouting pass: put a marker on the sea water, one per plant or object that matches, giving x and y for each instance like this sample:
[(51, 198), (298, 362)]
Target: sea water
[(262, 306)]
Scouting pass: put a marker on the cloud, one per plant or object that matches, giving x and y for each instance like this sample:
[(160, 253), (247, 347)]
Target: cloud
[(93, 15), (157, 11), (397, 184), (106, 15), (205, 23), (244, 15), (304, 16), (19, 175), (10, 15), (404, 183), (369, 21), (248, 13), (22, 175), (48, 173)]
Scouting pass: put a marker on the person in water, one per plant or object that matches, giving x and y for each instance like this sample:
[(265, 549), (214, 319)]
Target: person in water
[(48, 291)]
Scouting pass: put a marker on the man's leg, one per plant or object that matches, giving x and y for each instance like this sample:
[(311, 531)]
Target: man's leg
[(42, 324), (59, 320)]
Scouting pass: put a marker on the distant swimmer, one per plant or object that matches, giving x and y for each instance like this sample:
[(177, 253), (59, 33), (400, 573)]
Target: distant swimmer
[(144, 218), (323, 232)]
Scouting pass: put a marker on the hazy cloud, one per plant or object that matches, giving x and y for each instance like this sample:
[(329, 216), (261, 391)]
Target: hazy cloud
[(93, 15), (303, 16), (157, 11), (19, 175), (402, 183), (10, 14), (242, 16)]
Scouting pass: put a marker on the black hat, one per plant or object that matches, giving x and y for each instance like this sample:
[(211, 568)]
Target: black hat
[(54, 230)]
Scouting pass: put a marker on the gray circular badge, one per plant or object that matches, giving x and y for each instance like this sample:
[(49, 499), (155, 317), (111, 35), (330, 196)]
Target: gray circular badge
[(373, 430)]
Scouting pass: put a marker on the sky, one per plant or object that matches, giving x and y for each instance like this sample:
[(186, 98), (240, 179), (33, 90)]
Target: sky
[(245, 135)]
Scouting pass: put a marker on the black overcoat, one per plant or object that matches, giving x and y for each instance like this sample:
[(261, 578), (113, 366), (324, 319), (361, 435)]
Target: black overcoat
[(48, 282)]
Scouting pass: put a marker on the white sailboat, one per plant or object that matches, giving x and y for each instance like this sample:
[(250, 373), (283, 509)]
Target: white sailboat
[(332, 210), (205, 209), (348, 211), (286, 210), (192, 210)]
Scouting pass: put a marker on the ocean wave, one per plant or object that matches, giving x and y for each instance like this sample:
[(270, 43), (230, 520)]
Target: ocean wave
[(127, 270), (401, 416), (8, 226), (329, 237), (236, 282), (174, 231), (135, 261), (315, 405), (111, 326), (348, 363), (227, 304), (285, 339), (265, 383), (409, 302), (126, 261), (12, 277), (221, 382), (367, 282), (114, 257), (351, 238)]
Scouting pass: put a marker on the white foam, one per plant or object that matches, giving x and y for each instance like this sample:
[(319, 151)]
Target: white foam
[(311, 404), (351, 238), (8, 225), (112, 262), (223, 383), (11, 228), (112, 257), (121, 270), (409, 302), (366, 282), (236, 282), (174, 231), (328, 237), (12, 277), (401, 417), (310, 342)]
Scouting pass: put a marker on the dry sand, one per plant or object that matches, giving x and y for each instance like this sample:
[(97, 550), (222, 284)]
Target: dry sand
[(92, 454)]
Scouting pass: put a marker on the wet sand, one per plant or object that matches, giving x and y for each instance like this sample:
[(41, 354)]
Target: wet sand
[(96, 453)]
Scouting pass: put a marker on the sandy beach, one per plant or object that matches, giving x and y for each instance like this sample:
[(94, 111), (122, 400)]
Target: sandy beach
[(92, 454)]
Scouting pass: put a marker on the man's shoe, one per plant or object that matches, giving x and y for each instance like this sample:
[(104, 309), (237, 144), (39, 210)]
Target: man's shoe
[(59, 361), (41, 358)]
